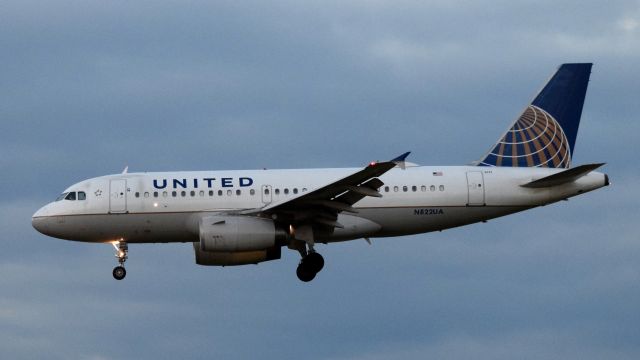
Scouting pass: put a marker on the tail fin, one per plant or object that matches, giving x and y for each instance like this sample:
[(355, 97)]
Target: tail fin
[(545, 134)]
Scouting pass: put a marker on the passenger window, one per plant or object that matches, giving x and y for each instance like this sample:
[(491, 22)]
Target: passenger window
[(286, 191), (146, 194), (266, 191), (295, 190), (174, 194), (192, 193), (252, 192), (183, 193), (414, 188), (423, 188), (82, 195), (395, 189), (201, 192), (386, 189), (71, 196), (304, 189), (210, 192), (137, 194), (441, 187), (229, 192), (432, 188), (405, 188), (155, 194), (238, 192), (164, 194), (277, 191), (219, 192)]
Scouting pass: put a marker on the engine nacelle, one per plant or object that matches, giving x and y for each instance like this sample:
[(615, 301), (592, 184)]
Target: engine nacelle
[(235, 258), (237, 234)]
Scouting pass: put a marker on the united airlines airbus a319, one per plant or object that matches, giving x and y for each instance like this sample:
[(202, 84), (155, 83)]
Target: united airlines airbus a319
[(247, 216)]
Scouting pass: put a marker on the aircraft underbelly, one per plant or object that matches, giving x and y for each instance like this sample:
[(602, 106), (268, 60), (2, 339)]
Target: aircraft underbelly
[(413, 220), (136, 228), (180, 227)]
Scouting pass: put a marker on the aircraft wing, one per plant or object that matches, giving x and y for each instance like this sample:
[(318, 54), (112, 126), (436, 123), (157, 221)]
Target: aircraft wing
[(322, 206)]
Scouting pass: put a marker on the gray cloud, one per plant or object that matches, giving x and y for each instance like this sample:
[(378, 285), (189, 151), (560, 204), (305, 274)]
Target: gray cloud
[(89, 87)]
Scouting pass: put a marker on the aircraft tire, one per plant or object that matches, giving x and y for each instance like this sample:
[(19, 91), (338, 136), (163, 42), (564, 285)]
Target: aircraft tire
[(314, 262), (304, 273), (119, 272)]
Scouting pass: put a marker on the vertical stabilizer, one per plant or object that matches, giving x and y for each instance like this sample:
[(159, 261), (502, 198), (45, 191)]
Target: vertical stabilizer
[(545, 134)]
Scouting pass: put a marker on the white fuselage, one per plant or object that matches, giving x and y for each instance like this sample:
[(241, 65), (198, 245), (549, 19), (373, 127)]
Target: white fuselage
[(167, 206)]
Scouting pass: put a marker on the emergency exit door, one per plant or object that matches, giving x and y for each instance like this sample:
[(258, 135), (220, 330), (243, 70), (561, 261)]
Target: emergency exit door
[(267, 196)]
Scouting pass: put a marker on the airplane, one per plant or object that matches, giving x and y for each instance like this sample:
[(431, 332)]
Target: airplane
[(247, 216)]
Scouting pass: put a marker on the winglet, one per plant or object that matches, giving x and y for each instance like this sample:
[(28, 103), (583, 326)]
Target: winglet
[(400, 160), (402, 157), (126, 169)]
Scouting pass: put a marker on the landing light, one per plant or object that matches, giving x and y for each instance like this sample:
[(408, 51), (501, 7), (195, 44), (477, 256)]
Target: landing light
[(155, 204), (373, 163)]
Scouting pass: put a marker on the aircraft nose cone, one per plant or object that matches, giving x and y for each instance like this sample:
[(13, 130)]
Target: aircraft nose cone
[(38, 224), (39, 220)]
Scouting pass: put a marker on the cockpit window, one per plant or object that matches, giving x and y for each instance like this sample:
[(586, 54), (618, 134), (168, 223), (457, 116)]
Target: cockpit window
[(80, 195)]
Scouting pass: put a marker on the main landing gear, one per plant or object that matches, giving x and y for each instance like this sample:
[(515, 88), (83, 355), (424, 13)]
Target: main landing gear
[(122, 250), (311, 262), (310, 265)]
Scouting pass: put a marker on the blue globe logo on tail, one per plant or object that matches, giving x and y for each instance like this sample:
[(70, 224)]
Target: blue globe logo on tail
[(536, 139), (545, 134)]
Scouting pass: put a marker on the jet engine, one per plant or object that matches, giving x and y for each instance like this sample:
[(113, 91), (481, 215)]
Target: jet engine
[(235, 258), (237, 240)]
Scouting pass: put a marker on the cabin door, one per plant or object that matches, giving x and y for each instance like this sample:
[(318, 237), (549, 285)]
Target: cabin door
[(118, 196), (475, 184)]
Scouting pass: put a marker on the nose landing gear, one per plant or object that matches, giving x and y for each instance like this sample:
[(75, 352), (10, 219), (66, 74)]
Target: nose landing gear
[(122, 250)]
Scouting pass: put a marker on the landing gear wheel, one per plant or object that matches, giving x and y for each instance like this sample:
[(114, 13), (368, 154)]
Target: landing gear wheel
[(122, 253), (119, 272), (310, 266), (305, 274), (314, 261)]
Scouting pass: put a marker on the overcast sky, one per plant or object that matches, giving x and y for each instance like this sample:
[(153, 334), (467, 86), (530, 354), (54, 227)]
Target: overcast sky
[(89, 87)]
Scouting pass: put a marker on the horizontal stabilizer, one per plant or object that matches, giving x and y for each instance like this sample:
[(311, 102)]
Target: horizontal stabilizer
[(563, 177)]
